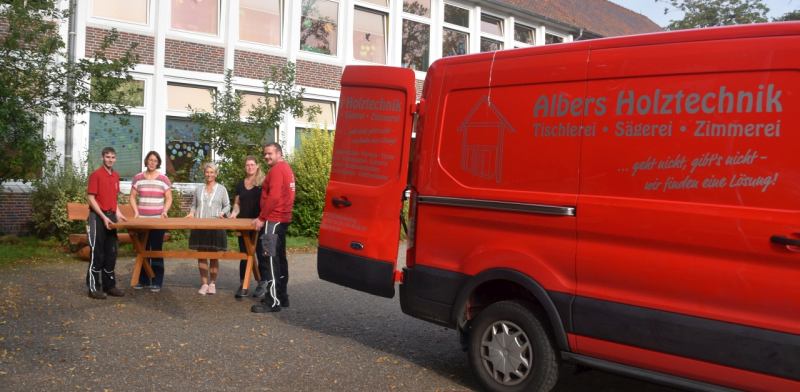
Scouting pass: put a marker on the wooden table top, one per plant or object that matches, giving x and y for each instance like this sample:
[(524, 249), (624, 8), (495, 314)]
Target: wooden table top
[(239, 224)]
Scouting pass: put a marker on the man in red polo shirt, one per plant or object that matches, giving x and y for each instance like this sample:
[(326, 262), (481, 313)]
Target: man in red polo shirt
[(277, 202), (103, 210)]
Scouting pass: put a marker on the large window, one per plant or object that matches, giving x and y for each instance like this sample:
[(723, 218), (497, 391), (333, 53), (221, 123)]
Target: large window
[(319, 26), (129, 92), (455, 34), (261, 21), (524, 36), (196, 16), (417, 7), (186, 154), (180, 97), (325, 119), (131, 11), (251, 100), (491, 33), (369, 35), (124, 134), (552, 39)]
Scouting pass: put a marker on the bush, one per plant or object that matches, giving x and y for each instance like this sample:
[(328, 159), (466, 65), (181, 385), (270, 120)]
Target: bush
[(312, 168), (51, 192)]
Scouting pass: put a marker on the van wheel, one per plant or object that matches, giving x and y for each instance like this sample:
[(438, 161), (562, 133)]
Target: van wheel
[(510, 350)]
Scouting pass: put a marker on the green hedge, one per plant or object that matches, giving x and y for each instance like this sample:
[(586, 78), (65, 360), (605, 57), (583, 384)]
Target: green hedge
[(312, 168)]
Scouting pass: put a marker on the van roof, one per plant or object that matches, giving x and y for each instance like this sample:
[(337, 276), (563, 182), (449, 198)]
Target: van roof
[(694, 35)]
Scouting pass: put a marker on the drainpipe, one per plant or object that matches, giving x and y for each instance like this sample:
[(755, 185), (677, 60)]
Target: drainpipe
[(70, 115)]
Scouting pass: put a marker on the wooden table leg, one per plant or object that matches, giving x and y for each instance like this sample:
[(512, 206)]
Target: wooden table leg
[(139, 240), (250, 247)]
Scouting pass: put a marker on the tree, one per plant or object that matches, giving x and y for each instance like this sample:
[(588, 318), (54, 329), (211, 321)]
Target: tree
[(708, 13), (36, 81), (791, 15), (231, 137)]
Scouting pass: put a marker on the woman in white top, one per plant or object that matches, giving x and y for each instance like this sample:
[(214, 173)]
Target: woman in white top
[(210, 202)]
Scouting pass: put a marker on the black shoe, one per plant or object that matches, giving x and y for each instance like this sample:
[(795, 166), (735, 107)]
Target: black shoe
[(97, 295), (241, 293), (261, 290), (264, 308), (284, 301), (115, 292)]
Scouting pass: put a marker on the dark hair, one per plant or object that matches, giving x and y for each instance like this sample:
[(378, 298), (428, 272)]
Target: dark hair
[(107, 150), (276, 145), (155, 153)]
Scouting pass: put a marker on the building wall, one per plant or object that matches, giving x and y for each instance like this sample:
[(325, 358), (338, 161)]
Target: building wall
[(170, 57)]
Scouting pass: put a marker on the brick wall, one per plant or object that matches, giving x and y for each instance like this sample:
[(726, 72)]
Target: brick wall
[(255, 65), (15, 212), (311, 74), (190, 56), (144, 49)]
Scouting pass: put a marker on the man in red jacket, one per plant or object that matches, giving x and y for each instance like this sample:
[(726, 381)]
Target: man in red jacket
[(277, 201)]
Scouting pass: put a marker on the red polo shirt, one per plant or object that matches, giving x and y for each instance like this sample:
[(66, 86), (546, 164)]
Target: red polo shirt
[(105, 187)]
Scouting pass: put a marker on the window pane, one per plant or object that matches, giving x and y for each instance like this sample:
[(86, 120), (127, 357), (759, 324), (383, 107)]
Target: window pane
[(124, 133), (417, 7), (490, 45), (318, 26), (454, 43), (134, 11), (260, 21), (523, 34), (326, 117), (199, 16), (456, 15), (129, 93), (491, 25), (416, 41), (185, 153), (369, 36), (179, 97), (552, 39)]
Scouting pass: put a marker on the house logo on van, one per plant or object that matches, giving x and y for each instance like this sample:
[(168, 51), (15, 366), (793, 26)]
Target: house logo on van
[(482, 137)]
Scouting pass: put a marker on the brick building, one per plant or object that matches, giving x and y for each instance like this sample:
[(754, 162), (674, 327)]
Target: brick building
[(184, 47)]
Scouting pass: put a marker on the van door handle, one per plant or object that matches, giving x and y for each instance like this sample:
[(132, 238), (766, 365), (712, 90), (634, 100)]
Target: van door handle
[(781, 240), (341, 202)]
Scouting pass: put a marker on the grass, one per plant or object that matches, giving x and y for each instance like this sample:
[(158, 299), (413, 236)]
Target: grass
[(14, 248)]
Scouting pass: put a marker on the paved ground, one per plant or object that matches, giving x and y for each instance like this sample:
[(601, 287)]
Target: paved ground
[(54, 338)]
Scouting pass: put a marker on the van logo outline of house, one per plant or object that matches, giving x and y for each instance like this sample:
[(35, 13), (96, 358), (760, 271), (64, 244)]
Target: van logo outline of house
[(484, 160)]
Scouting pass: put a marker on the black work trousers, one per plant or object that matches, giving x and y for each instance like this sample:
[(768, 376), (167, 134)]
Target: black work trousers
[(103, 258), (277, 271)]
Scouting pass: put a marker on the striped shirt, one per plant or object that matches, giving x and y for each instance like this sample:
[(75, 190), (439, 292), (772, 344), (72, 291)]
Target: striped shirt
[(151, 194)]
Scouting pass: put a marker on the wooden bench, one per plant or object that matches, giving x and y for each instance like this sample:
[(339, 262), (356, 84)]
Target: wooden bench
[(80, 211)]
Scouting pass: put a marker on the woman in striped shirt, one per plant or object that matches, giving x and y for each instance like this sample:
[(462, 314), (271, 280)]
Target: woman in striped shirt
[(151, 197)]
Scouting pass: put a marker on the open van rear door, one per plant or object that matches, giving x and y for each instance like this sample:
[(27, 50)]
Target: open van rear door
[(360, 231)]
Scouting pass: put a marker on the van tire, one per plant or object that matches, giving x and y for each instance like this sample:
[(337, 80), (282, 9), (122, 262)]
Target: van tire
[(508, 329)]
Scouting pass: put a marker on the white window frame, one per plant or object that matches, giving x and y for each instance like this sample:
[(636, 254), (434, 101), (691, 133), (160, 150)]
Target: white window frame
[(196, 37), (468, 30), (121, 25), (499, 38), (434, 38), (280, 49), (342, 27), (370, 7), (520, 44)]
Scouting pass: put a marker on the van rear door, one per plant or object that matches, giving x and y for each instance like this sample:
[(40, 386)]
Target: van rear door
[(360, 230)]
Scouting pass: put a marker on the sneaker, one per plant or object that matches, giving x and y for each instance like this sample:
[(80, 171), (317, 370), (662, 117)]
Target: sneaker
[(155, 288), (264, 308), (203, 290), (115, 292), (97, 295), (261, 290), (212, 289), (139, 286), (241, 293)]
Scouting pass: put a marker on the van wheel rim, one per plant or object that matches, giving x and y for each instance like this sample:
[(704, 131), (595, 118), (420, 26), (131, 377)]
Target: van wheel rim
[(506, 353)]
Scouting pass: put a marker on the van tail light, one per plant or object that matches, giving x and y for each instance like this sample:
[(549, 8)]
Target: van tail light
[(411, 194)]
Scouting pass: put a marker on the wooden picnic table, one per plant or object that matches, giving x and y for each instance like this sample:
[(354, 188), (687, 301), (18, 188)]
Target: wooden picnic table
[(139, 228)]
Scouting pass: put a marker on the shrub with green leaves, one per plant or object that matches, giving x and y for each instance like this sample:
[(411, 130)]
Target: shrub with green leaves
[(312, 169), (56, 187)]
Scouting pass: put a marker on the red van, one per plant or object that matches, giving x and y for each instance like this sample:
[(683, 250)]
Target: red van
[(630, 204)]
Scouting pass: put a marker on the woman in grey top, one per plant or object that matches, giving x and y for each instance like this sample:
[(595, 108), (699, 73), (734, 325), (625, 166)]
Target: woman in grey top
[(210, 202)]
